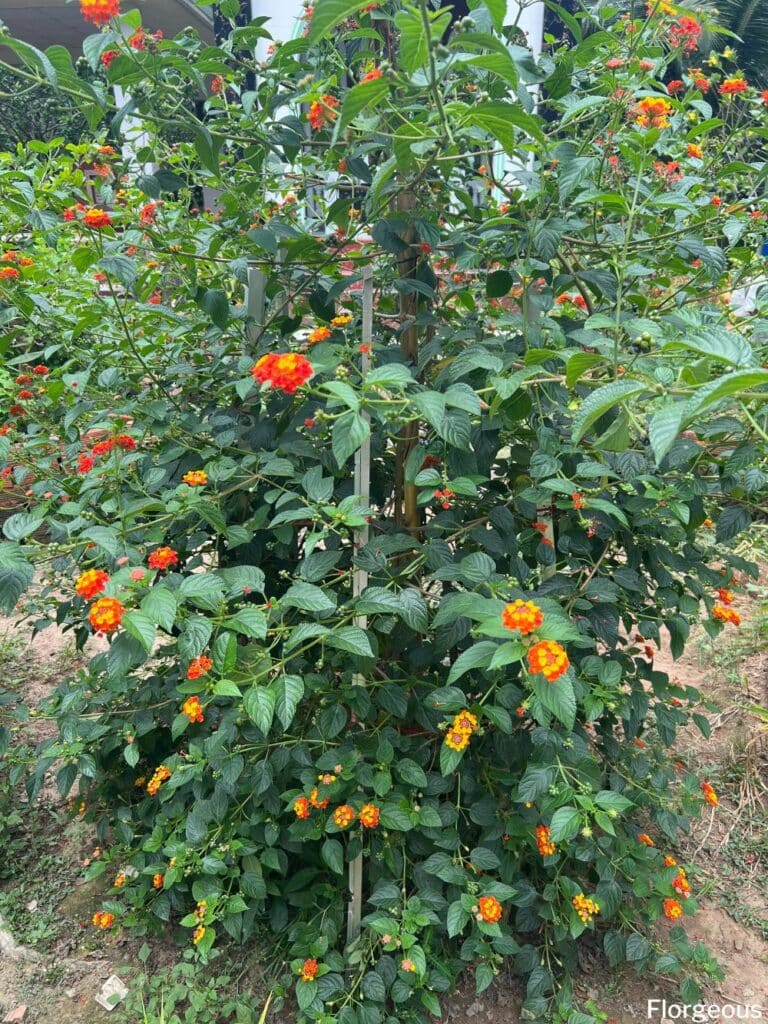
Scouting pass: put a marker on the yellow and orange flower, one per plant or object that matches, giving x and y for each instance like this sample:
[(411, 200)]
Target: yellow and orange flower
[(543, 841), (695, 151), (319, 334), (344, 816), (91, 582), (585, 907), (157, 881), (726, 614), (466, 722), (197, 934), (369, 815), (549, 659), (314, 799), (733, 86), (102, 919), (105, 615), (672, 909), (192, 709), (456, 739), (652, 112), (489, 909), (524, 616), (160, 775), (95, 218), (308, 969), (286, 372), (709, 794), (195, 478), (162, 558), (645, 839), (199, 666), (322, 112), (98, 12), (725, 596), (301, 808), (342, 320)]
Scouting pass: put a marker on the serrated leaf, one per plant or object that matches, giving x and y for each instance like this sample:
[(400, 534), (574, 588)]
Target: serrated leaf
[(664, 427), (259, 703), (248, 621), (288, 693), (159, 605), (352, 639), (600, 401), (141, 628), (360, 96), (308, 598), (565, 824), (477, 656), (348, 434)]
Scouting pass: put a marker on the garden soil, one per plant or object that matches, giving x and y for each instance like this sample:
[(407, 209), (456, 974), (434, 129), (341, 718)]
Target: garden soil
[(66, 969)]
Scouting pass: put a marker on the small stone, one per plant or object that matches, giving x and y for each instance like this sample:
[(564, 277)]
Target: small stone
[(70, 993), (32, 906), (112, 992), (16, 1016), (738, 943)]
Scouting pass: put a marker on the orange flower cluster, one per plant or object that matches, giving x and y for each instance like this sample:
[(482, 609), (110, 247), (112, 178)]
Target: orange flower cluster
[(672, 909), (344, 816), (544, 842), (548, 659), (725, 596), (157, 881), (342, 320), (709, 794), (162, 558), (120, 880), (732, 86), (316, 802), (308, 969), (286, 372), (685, 34), (160, 775), (371, 76), (369, 816), (489, 909), (91, 583), (726, 614), (9, 273), (645, 839), (322, 112), (98, 12), (195, 478), (697, 153), (192, 709), (199, 666), (102, 919), (524, 616), (464, 725), (681, 884), (98, 219), (319, 334), (301, 807), (585, 907), (578, 501), (444, 497), (106, 614), (197, 934), (652, 112)]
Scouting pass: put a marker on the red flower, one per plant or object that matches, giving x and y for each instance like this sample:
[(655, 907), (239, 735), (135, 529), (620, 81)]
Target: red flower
[(199, 666), (217, 85), (103, 447), (685, 33), (98, 12), (98, 219), (108, 56), (764, 96), (322, 112), (9, 273), (126, 442), (105, 615), (675, 86), (147, 213), (371, 76), (85, 464), (162, 558), (24, 379), (24, 394), (40, 370), (732, 86), (91, 583), (286, 372)]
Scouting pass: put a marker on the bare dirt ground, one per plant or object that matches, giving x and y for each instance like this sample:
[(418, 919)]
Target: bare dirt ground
[(69, 962)]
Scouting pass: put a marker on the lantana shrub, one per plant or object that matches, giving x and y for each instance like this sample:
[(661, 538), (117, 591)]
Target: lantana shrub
[(387, 595)]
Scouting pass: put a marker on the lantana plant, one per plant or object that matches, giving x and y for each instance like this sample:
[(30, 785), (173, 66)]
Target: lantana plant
[(383, 413)]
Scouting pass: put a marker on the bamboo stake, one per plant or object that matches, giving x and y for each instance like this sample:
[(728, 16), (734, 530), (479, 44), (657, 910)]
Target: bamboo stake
[(360, 582), (255, 302)]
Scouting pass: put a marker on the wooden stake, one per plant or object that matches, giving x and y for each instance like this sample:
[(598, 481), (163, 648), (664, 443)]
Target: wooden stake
[(360, 582)]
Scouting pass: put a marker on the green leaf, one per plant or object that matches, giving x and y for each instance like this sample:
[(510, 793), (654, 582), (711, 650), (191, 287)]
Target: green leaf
[(308, 598), (194, 637), (731, 522), (411, 772), (610, 801), (497, 10), (395, 817), (259, 703), (288, 692), (349, 432), (373, 987), (565, 824), (414, 41), (248, 621), (578, 364), (202, 589), (477, 656), (122, 268), (22, 524), (328, 14), (358, 98), (140, 627), (730, 384), (449, 759), (159, 606), (600, 401), (663, 428), (558, 698), (352, 639), (498, 283), (500, 119), (216, 305), (457, 919), (638, 948), (717, 343), (332, 853)]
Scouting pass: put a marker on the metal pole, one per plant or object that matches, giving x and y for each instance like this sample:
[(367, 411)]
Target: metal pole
[(255, 302), (360, 582)]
